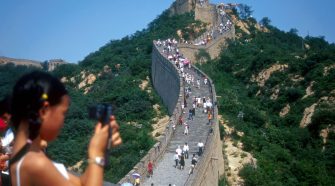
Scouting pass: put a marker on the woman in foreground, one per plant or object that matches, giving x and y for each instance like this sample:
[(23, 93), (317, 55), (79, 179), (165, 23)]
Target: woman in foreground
[(39, 105)]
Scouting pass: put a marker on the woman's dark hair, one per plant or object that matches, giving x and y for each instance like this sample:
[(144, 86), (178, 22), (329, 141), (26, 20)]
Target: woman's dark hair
[(29, 93), (5, 105)]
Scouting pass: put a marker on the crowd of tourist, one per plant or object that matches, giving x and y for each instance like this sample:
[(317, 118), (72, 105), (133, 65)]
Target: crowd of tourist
[(193, 103), (203, 104)]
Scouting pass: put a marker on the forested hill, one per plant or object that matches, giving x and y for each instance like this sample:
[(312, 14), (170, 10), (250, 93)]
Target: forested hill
[(278, 93), (119, 73), (280, 85)]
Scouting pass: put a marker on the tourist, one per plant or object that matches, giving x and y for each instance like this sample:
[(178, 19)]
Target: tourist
[(200, 146), (39, 105), (186, 148), (194, 161), (6, 142), (176, 159), (186, 129), (150, 169), (182, 161)]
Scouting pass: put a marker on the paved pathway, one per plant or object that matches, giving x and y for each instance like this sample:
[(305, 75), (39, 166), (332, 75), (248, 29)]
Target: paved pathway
[(164, 171)]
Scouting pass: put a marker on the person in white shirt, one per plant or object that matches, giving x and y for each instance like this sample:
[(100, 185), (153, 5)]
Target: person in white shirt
[(179, 151), (186, 148), (201, 146)]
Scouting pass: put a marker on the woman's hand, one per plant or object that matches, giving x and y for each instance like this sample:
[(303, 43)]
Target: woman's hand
[(98, 143)]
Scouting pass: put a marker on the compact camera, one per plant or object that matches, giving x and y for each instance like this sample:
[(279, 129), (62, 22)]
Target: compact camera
[(100, 112)]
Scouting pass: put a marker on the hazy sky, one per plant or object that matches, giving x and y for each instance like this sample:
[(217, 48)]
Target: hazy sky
[(71, 29)]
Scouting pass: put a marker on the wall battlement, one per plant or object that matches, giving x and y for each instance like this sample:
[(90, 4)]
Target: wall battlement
[(162, 71), (213, 48), (182, 6)]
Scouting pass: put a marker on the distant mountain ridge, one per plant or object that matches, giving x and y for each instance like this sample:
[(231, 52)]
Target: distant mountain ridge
[(49, 65)]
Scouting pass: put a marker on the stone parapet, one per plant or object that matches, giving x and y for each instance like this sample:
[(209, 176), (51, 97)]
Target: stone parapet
[(211, 166), (165, 77), (213, 47)]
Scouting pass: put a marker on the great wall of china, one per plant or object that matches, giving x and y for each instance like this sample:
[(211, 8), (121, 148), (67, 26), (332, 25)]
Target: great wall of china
[(168, 83)]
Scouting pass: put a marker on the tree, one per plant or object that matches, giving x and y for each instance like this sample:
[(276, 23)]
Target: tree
[(293, 31), (265, 21), (245, 11), (202, 56)]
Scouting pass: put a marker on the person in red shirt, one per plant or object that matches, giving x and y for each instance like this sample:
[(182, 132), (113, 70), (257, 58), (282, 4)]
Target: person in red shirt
[(150, 169), (6, 140)]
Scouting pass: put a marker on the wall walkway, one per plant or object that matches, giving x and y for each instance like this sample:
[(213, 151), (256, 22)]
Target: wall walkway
[(210, 164)]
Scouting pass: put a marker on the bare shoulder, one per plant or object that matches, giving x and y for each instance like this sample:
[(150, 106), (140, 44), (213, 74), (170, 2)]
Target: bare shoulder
[(42, 171), (37, 162)]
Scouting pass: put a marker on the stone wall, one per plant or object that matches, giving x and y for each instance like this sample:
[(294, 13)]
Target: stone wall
[(213, 47), (211, 167), (25, 62), (206, 13), (166, 80), (182, 6), (160, 63), (54, 63)]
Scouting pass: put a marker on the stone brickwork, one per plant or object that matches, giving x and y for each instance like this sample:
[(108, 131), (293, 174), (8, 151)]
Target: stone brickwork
[(213, 48), (159, 78), (182, 6), (166, 80), (206, 13), (54, 63), (6, 60), (211, 167)]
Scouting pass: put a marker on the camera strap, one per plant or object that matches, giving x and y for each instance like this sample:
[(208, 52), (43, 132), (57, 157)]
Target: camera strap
[(20, 154)]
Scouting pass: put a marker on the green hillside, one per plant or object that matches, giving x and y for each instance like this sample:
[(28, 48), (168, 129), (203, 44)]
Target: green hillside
[(118, 68), (259, 74)]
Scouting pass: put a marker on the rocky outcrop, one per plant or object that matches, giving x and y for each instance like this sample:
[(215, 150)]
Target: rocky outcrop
[(309, 111), (285, 111), (264, 75), (309, 90), (86, 81), (160, 122), (296, 78), (144, 84), (236, 157), (327, 69), (275, 93), (160, 126)]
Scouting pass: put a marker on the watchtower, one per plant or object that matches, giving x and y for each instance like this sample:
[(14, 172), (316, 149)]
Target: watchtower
[(182, 6)]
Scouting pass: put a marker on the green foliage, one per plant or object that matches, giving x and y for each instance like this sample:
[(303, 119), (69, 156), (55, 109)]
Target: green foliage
[(66, 70), (293, 94), (245, 11), (129, 63), (202, 56), (323, 117), (222, 132), (286, 154), (265, 21), (9, 75), (120, 86)]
